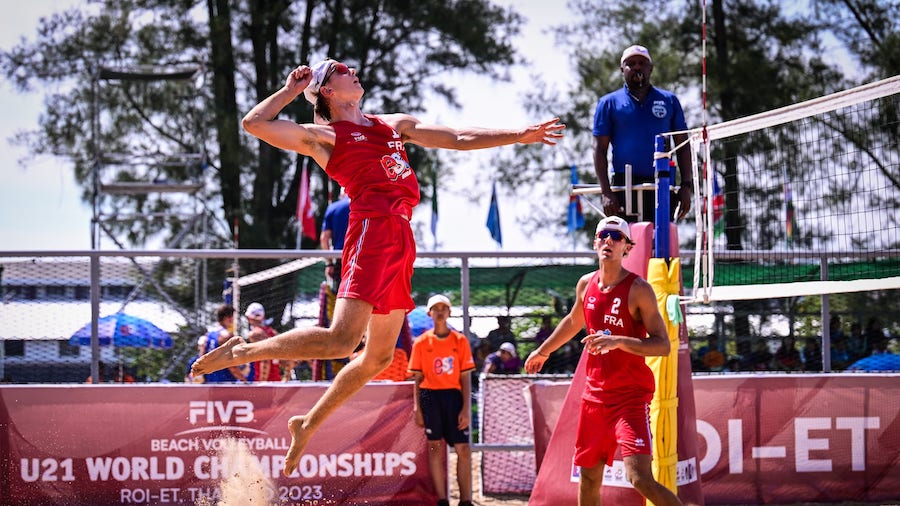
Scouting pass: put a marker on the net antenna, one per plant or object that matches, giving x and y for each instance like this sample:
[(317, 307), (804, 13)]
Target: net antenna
[(811, 198)]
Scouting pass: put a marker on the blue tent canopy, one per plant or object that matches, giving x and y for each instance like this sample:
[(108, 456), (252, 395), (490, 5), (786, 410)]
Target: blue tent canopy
[(122, 329)]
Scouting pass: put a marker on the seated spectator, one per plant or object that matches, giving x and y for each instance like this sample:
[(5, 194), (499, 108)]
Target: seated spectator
[(787, 358), (712, 358), (841, 356), (545, 330), (745, 355), (761, 357), (503, 361), (874, 334), (501, 334), (856, 342), (812, 354), (881, 359)]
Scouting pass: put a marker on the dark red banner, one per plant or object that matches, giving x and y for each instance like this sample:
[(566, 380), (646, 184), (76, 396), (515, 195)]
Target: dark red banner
[(769, 439), (799, 438), (190, 444)]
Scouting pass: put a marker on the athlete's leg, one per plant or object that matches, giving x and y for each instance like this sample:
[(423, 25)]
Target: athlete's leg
[(437, 467), (337, 341), (589, 485), (464, 470), (381, 337), (639, 473)]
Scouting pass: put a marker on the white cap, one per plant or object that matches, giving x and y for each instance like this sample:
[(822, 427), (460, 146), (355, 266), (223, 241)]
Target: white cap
[(256, 311), (318, 75), (635, 50), (617, 224), (438, 299), (508, 347)]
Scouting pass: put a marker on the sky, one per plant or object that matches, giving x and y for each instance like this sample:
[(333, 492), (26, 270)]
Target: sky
[(41, 208)]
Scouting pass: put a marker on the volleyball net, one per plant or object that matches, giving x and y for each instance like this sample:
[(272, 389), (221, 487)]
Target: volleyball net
[(801, 200)]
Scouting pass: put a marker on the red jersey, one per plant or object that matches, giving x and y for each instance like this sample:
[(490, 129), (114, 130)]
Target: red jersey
[(274, 365), (371, 164), (616, 376), (441, 361)]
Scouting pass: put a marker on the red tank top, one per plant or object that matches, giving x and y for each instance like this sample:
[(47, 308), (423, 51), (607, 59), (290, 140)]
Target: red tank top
[(371, 164), (617, 376)]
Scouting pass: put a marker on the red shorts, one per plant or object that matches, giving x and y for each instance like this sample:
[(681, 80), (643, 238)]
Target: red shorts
[(602, 427), (377, 263)]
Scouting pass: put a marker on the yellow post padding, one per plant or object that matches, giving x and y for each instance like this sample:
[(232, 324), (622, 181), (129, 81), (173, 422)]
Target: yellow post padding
[(665, 278)]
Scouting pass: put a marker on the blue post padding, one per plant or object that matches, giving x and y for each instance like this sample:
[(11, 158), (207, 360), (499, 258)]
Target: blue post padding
[(661, 242)]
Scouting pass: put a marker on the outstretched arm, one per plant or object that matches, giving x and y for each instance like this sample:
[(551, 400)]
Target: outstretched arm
[(306, 139), (438, 136)]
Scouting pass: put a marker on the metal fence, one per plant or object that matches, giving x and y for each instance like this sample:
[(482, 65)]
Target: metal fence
[(52, 299)]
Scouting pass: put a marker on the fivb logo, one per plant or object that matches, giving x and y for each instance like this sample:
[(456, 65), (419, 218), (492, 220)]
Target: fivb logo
[(223, 412)]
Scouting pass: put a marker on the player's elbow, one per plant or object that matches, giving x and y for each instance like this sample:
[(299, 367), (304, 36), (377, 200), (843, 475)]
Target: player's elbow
[(661, 347), (251, 123)]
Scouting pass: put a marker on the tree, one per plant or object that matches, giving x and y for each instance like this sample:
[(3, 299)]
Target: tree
[(400, 49)]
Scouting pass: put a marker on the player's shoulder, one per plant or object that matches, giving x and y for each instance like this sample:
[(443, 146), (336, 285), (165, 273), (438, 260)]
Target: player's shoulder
[(641, 286), (399, 121), (586, 278), (422, 337)]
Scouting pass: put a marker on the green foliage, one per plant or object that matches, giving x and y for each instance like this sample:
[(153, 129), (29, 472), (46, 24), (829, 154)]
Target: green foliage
[(400, 48)]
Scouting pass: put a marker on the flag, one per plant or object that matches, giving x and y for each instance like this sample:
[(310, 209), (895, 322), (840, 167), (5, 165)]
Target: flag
[(790, 220), (576, 217), (305, 216), (718, 205), (493, 218)]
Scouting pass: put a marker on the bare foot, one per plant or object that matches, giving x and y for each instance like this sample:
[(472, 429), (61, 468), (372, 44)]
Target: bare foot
[(299, 438), (219, 358)]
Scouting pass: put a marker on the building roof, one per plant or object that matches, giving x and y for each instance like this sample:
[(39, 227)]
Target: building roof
[(43, 320)]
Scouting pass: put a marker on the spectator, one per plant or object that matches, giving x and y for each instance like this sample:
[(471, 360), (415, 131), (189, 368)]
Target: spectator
[(503, 361), (481, 353), (841, 356), (856, 342), (121, 376), (442, 365), (217, 335), (881, 358), (545, 330), (874, 335), (334, 230), (745, 355), (761, 357), (501, 334), (264, 370), (812, 354), (712, 358), (787, 358)]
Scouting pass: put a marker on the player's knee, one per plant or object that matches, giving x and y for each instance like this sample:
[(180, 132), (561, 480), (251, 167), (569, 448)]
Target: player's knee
[(383, 360), (642, 482)]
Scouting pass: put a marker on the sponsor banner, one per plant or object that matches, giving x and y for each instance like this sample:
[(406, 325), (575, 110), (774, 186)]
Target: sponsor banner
[(799, 438), (194, 444), (765, 439)]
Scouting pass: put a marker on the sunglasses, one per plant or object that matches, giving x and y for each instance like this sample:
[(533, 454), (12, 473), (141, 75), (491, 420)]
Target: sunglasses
[(614, 234), (336, 68)]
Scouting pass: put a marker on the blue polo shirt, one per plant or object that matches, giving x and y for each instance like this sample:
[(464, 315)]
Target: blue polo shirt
[(632, 126), (337, 216)]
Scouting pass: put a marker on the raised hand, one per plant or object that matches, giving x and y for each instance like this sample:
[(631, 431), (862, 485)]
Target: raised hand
[(298, 79), (547, 132)]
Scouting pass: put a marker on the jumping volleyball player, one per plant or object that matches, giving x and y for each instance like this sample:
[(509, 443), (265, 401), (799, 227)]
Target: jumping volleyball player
[(365, 154)]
